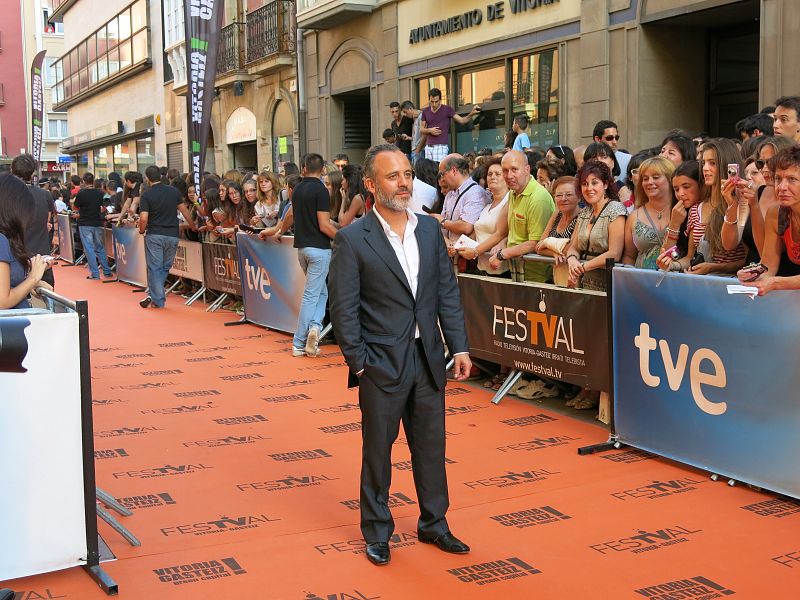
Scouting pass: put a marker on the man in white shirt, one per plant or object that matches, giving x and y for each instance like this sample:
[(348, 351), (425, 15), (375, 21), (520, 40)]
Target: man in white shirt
[(387, 308)]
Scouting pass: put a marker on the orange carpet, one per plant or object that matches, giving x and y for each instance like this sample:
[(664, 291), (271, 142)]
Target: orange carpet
[(241, 465)]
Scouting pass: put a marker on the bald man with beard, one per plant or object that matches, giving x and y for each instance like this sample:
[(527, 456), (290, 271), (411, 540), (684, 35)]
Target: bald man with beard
[(530, 206)]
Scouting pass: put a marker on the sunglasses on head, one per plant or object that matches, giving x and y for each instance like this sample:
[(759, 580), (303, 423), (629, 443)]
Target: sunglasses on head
[(611, 138)]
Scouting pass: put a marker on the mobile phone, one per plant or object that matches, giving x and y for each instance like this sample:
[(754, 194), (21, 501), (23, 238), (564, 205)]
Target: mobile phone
[(751, 272), (733, 171), (251, 229), (48, 259)]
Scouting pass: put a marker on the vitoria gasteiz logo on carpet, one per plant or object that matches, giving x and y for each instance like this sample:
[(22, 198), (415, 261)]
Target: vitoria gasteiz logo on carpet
[(300, 455), (512, 478), (147, 501), (111, 453), (223, 524), (290, 482), (627, 456), (697, 588), (529, 420), (494, 571), (659, 489), (777, 508), (647, 541), (530, 517), (199, 571), (343, 428), (245, 419), (399, 539), (165, 471)]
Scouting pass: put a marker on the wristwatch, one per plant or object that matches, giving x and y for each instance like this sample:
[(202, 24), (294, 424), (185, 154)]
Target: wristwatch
[(499, 255)]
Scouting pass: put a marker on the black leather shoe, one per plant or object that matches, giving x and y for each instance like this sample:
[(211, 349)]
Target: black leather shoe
[(378, 553), (446, 542)]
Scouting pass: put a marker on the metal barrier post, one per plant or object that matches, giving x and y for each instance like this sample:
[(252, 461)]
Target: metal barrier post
[(612, 442)]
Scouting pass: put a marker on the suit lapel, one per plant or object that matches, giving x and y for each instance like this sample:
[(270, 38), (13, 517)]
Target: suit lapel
[(376, 239), (425, 246)]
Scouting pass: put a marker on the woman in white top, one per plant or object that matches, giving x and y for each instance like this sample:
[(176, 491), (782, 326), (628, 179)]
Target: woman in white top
[(268, 199), (491, 228)]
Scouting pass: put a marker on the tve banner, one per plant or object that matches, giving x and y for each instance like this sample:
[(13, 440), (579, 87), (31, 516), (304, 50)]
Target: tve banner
[(130, 260), (272, 281), (42, 518), (706, 378), (541, 329)]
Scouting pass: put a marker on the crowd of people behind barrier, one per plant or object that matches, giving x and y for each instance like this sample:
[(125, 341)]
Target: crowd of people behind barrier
[(697, 205)]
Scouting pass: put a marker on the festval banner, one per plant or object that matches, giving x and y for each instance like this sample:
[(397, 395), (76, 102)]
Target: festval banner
[(541, 329), (707, 378), (37, 106), (221, 269), (272, 281), (203, 20)]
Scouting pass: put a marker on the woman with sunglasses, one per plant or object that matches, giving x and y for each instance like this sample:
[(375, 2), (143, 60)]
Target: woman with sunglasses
[(566, 156), (746, 225)]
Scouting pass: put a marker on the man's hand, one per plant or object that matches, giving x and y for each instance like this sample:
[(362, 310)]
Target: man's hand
[(462, 366)]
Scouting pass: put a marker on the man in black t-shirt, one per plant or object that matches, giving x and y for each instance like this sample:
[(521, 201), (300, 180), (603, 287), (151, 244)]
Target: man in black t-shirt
[(313, 232), (42, 213), (89, 202), (158, 222)]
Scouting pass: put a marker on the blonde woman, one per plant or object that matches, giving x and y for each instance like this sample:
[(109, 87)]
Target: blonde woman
[(646, 226)]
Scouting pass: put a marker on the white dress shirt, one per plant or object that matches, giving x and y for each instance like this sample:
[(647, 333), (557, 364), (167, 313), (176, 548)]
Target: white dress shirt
[(406, 248)]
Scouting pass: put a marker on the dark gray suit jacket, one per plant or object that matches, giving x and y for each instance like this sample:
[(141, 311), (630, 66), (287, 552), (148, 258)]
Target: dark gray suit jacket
[(374, 313)]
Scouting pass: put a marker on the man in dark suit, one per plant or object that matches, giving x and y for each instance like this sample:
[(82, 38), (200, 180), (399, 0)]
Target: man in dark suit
[(391, 289)]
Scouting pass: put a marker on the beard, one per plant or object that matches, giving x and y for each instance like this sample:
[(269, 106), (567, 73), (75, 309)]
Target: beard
[(392, 202)]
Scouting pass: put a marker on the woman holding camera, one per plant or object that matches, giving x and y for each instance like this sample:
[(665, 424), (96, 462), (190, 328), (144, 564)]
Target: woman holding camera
[(19, 275), (706, 253)]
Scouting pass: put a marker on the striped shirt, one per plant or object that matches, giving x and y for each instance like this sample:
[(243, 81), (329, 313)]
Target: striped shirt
[(696, 229)]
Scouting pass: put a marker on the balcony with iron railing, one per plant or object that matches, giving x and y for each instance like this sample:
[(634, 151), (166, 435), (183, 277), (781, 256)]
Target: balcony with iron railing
[(231, 49), (270, 31), (324, 14)]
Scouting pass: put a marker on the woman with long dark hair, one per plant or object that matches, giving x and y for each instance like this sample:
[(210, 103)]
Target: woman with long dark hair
[(353, 194), (19, 275)]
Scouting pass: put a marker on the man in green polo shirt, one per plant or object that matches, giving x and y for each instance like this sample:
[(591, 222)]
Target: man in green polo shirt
[(529, 209)]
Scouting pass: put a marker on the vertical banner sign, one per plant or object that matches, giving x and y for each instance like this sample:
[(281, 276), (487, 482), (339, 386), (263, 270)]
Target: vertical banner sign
[(203, 20), (37, 106)]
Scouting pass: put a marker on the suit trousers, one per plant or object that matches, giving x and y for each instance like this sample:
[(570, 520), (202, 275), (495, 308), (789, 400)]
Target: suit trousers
[(421, 409)]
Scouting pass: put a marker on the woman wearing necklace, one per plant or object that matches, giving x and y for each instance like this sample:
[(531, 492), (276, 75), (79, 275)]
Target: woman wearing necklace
[(599, 232), (646, 226)]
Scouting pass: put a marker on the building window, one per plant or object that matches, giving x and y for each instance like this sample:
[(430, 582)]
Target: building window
[(426, 84), (51, 28), (145, 155), (534, 91), (122, 158), (526, 84), (119, 45), (487, 88), (49, 71), (57, 128)]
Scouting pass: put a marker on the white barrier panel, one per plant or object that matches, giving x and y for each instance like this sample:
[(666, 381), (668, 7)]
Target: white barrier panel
[(42, 519)]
